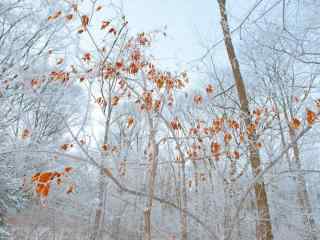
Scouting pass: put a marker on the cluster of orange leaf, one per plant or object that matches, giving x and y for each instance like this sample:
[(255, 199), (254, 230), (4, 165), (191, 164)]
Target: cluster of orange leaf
[(198, 99), (229, 129), (215, 150), (43, 181), (106, 147), (86, 57), (59, 75), (84, 22), (100, 101), (311, 118), (66, 146), (175, 124), (35, 83)]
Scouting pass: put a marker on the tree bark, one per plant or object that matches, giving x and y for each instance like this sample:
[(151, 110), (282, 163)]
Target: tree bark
[(99, 210), (147, 224), (264, 227), (302, 193), (184, 220), (153, 161)]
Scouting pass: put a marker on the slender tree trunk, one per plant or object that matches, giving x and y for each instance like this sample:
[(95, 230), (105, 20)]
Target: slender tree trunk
[(302, 193), (153, 161), (184, 223), (227, 210), (147, 224), (264, 228), (100, 210)]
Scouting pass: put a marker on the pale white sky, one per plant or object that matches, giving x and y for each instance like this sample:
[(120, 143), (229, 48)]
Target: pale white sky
[(192, 24), (187, 21)]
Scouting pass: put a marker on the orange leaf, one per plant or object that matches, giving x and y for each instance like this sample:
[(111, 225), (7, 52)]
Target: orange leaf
[(215, 148), (65, 146), (25, 134), (119, 64), (45, 190), (175, 124), (311, 117), (68, 169), (104, 24), (143, 40), (59, 181), (55, 15), (130, 121), (70, 189), (197, 99), (114, 150), (133, 68), (241, 139), (136, 55), (84, 21), (217, 125), (39, 188), (108, 172), (147, 97), (45, 177), (99, 8), (115, 100), (109, 71), (157, 105), (69, 17), (35, 83), (100, 101), (35, 177), (113, 30), (295, 123), (86, 57), (160, 82), (209, 89), (236, 154), (234, 124), (227, 138), (251, 128), (105, 147)]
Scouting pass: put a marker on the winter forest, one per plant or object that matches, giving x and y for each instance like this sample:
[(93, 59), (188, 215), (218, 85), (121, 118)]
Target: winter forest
[(104, 138)]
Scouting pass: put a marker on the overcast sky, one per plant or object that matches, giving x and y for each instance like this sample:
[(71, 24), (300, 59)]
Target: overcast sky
[(192, 25)]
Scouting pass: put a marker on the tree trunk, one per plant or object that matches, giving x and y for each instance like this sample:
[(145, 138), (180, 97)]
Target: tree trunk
[(99, 210), (264, 228), (147, 224), (227, 210), (302, 193), (153, 161), (184, 223)]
